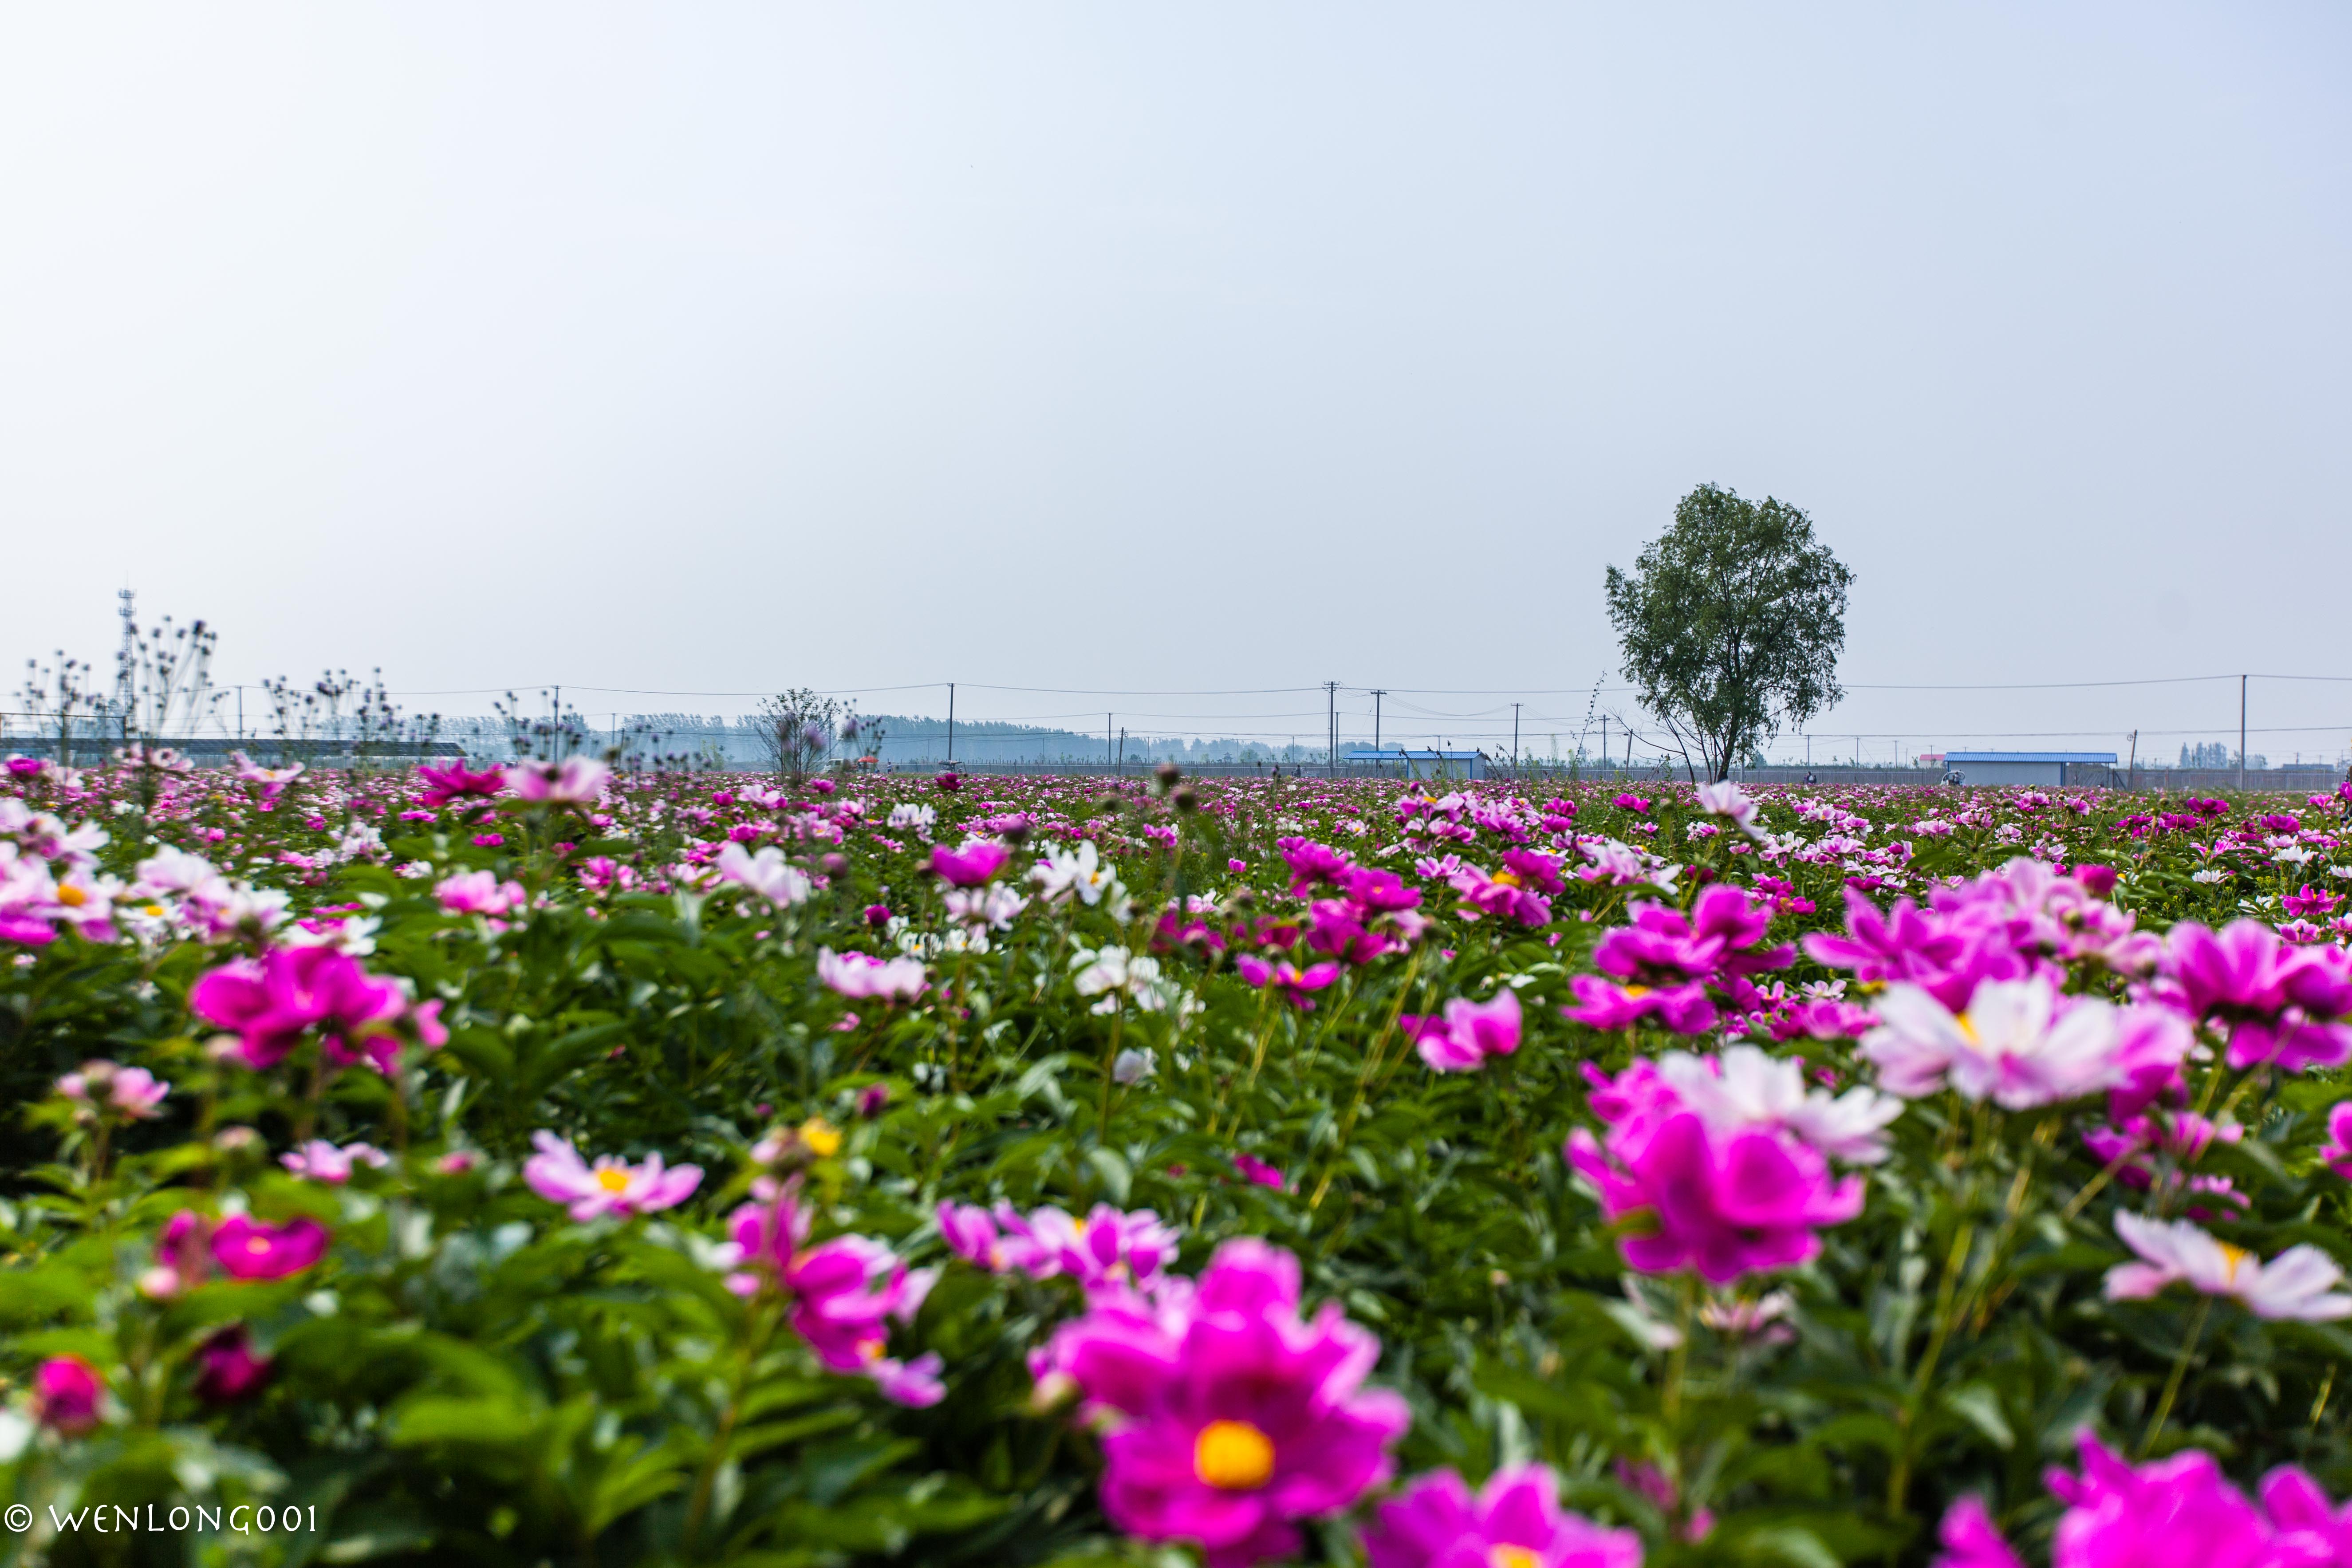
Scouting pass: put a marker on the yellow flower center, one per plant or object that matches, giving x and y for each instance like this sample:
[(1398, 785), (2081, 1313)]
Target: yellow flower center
[(71, 896), (258, 1246), (612, 1178), (1506, 1556), (1969, 1027), (872, 1350), (153, 908), (1233, 1457), (1507, 878), (820, 1135), (1637, 991), (2232, 1257)]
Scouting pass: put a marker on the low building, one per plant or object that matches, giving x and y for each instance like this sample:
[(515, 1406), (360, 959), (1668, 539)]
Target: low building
[(2050, 770), (1428, 764)]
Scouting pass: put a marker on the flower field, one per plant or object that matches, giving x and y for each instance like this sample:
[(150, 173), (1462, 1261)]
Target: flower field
[(540, 1164)]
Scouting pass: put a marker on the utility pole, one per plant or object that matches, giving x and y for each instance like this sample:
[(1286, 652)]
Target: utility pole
[(1106, 761), (1378, 692), (2242, 734), (1515, 739), (951, 723), (1331, 757), (1604, 737)]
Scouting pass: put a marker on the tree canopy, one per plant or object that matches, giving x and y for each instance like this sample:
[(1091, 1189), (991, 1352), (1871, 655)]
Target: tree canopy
[(1730, 623)]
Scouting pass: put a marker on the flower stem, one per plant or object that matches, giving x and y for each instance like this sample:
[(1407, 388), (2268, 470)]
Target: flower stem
[(2180, 1370)]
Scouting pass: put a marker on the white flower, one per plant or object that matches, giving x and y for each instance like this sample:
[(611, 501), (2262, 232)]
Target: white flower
[(767, 874), (912, 816), (2295, 1284), (1745, 1088), (1132, 1067), (2292, 855), (2211, 874), (2012, 1045), (414, 869), (1083, 872)]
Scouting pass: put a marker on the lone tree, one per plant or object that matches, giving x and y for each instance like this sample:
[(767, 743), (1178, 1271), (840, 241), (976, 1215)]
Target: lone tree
[(1730, 624)]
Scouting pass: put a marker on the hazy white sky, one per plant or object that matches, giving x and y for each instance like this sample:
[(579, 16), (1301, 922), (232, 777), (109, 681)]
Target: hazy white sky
[(722, 347)]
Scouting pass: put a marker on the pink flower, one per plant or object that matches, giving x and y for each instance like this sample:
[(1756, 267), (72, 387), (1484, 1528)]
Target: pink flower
[(1107, 1247), (101, 1085), (612, 1185), (446, 781), (575, 781), (2295, 1285), (320, 1161), (1468, 1033), (1515, 1521), (1231, 1417), (1725, 1203), (2278, 1003), (844, 1292), (248, 1249), (272, 1002), (969, 864), (67, 1390), (2178, 1512), (855, 975), (1503, 895), (1970, 1541), (768, 874), (228, 1371), (1311, 863), (2020, 1043), (1256, 1172), (1685, 1009), (478, 893), (2338, 1151), (1287, 978)]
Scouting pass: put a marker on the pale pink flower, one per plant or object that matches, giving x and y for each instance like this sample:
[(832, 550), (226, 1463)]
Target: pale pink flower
[(478, 893), (2018, 1044), (320, 1161), (767, 874), (2297, 1284), (857, 974), (578, 781), (612, 1185)]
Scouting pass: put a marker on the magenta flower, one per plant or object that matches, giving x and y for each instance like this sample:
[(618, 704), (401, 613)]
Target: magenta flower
[(446, 781), (1374, 890), (2178, 1512), (248, 1249), (1335, 927), (1686, 1009), (1256, 1172), (270, 1002), (1468, 1032), (67, 1393), (1311, 863), (228, 1371), (1107, 1247), (2276, 1002), (855, 976), (969, 864), (1230, 1416), (1503, 895), (2338, 1151), (1287, 978), (1515, 1521), (1970, 1541), (844, 1293), (612, 1185), (1726, 1203)]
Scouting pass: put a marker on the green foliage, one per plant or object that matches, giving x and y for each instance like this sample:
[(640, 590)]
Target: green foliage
[(1730, 623)]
